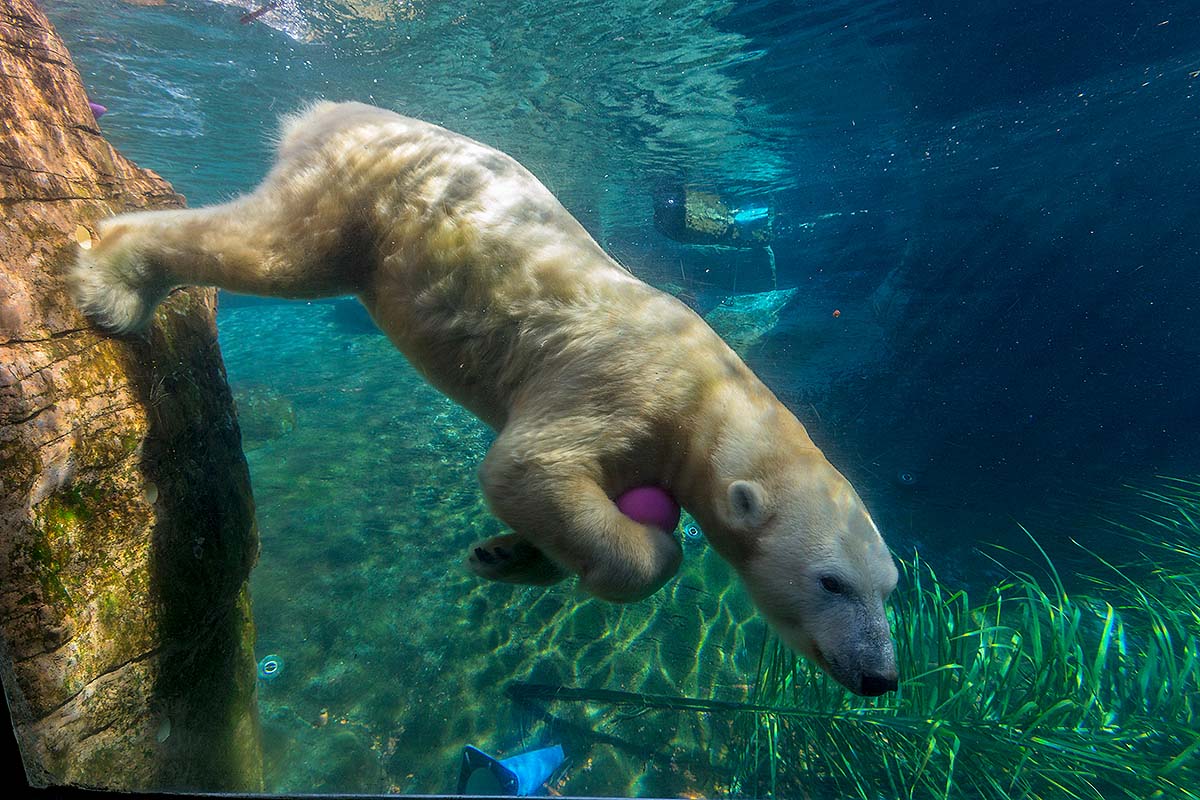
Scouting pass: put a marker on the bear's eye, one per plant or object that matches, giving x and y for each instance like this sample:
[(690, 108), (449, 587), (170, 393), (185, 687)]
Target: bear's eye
[(832, 585)]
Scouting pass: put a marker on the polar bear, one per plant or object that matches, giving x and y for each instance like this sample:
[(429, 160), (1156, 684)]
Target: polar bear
[(594, 381)]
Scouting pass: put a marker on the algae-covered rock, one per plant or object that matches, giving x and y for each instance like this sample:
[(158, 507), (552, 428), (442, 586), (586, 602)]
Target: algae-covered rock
[(126, 521)]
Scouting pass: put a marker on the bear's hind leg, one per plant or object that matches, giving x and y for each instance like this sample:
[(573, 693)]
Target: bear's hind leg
[(252, 245), (511, 559)]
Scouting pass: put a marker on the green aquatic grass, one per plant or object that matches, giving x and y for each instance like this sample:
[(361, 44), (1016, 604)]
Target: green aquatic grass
[(1028, 691)]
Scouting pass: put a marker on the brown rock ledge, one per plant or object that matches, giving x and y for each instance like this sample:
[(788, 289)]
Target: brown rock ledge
[(126, 520)]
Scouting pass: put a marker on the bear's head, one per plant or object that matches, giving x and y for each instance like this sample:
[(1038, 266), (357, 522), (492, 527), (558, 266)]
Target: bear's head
[(814, 564)]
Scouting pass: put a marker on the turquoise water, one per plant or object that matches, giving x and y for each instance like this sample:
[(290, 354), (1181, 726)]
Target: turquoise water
[(984, 238), (366, 508)]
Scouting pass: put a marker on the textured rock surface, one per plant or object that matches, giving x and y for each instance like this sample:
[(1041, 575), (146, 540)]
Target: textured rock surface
[(126, 520)]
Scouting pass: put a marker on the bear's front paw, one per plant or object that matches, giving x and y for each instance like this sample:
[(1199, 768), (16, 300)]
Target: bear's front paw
[(511, 559), (636, 572)]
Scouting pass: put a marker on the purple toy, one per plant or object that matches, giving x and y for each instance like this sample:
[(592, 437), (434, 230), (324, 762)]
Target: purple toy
[(98, 110), (650, 505)]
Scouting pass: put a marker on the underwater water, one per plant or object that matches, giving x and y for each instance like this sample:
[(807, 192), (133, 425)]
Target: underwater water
[(979, 296)]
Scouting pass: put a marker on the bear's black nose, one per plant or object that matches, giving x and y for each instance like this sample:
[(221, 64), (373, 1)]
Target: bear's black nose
[(875, 685)]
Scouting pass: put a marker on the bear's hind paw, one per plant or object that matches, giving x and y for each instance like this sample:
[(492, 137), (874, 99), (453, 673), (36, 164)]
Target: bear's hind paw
[(113, 290)]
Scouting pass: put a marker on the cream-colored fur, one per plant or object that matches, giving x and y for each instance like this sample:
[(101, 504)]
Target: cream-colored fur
[(594, 381)]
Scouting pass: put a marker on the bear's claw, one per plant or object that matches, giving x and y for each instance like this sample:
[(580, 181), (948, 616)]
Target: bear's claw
[(485, 556), (511, 559)]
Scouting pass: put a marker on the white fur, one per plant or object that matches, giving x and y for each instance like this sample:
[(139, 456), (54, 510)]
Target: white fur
[(118, 291)]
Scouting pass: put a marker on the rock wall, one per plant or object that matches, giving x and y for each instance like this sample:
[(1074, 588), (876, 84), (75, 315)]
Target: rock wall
[(126, 520)]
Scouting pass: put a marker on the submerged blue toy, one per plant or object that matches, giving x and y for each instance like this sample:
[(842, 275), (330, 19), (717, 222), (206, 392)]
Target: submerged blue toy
[(516, 776)]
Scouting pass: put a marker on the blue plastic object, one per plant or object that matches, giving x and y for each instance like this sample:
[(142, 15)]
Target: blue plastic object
[(754, 224), (516, 776)]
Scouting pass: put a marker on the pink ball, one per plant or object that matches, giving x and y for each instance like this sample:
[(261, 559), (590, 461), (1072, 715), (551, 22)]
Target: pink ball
[(650, 505)]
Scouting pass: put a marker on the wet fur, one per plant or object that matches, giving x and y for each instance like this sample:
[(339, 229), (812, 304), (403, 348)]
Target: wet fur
[(594, 381)]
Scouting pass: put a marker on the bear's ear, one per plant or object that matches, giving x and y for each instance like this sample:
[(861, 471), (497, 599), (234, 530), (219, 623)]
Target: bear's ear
[(747, 504)]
